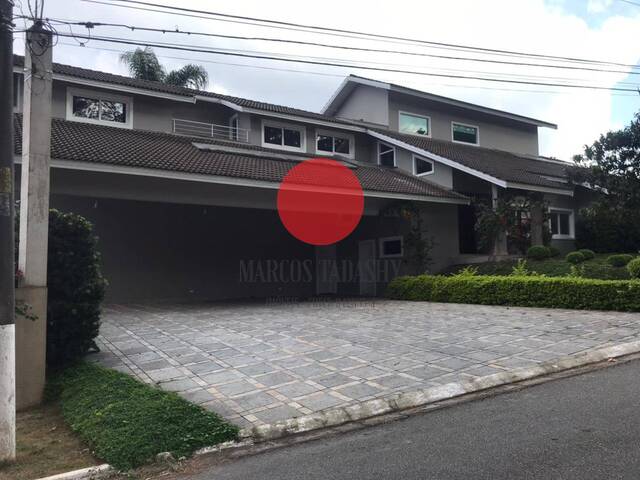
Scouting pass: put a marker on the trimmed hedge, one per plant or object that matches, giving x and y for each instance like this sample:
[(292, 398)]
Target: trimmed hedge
[(575, 257), (538, 252), (530, 291), (619, 260), (634, 268), (587, 254), (126, 422)]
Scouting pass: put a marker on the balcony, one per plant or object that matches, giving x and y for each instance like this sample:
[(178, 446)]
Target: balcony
[(210, 130)]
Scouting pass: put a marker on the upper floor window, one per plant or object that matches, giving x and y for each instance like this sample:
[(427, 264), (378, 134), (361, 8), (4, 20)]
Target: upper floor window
[(98, 107), (561, 223), (422, 166), (233, 127), (334, 143), (463, 133), (386, 155), (17, 91), (286, 137), (414, 124), (391, 247)]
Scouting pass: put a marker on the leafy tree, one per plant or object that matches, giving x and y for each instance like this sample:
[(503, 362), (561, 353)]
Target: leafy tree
[(144, 64), (611, 165)]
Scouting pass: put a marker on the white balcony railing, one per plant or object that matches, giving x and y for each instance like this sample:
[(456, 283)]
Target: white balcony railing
[(210, 130)]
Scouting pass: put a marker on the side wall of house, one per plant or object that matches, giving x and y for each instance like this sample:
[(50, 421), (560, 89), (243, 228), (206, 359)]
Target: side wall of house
[(366, 103), (496, 133)]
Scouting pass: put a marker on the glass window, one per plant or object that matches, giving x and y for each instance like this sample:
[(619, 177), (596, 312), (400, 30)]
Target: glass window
[(292, 138), (272, 135), (422, 166), (465, 133), (284, 137), (333, 144), (95, 109), (325, 143), (86, 107), (342, 145), (413, 124), (386, 155), (233, 124), (391, 247), (113, 111), (561, 223), (17, 88)]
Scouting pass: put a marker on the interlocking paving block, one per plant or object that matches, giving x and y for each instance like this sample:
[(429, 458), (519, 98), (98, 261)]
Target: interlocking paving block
[(231, 355)]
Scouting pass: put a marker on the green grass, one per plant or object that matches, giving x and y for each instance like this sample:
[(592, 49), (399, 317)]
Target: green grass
[(554, 267), (126, 422)]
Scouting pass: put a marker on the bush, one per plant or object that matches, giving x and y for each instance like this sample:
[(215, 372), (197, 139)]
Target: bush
[(608, 230), (75, 288), (634, 268), (587, 254), (554, 252), (575, 258), (532, 291), (538, 252), (126, 422), (619, 260)]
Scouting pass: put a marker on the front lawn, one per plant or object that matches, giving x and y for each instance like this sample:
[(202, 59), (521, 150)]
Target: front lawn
[(554, 267), (127, 423)]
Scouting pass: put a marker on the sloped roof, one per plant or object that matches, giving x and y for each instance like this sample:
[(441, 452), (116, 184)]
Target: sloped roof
[(503, 165), (352, 81), (98, 76), (83, 142)]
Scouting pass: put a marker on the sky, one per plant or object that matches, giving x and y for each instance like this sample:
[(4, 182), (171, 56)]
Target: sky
[(594, 29)]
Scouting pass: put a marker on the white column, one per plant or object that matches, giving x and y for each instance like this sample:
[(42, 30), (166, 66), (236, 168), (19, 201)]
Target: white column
[(7, 393)]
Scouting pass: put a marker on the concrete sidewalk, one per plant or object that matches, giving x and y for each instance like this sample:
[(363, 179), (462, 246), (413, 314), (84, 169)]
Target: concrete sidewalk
[(258, 364)]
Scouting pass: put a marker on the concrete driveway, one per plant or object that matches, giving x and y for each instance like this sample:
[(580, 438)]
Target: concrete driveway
[(257, 363)]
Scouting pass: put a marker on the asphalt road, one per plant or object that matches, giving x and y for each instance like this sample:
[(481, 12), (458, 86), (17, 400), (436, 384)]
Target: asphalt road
[(584, 427)]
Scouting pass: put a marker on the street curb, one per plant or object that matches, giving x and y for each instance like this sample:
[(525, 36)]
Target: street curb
[(372, 408), (99, 471)]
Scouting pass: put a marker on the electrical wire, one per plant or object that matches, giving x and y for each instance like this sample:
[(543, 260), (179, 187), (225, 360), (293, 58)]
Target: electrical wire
[(324, 74), (333, 31), (91, 25), (336, 64)]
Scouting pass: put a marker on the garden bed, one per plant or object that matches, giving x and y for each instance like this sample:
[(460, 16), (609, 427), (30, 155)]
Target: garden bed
[(127, 423), (523, 291), (597, 268)]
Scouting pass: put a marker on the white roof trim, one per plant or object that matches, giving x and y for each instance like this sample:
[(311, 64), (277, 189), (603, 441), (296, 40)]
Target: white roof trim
[(226, 103), (301, 119), (535, 188), (220, 180), (340, 91), (438, 158)]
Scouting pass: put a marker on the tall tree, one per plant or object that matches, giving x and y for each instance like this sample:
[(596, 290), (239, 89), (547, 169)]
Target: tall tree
[(612, 166), (144, 64)]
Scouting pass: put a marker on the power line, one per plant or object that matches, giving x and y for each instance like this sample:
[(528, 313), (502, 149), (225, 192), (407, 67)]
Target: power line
[(331, 31), (91, 25), (324, 74), (630, 2), (334, 64)]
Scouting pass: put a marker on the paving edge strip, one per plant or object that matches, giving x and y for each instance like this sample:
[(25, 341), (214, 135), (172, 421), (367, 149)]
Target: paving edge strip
[(372, 408), (99, 471)]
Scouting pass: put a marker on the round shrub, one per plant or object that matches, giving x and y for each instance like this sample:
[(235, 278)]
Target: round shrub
[(554, 252), (634, 268), (619, 260), (75, 288), (575, 257), (538, 252), (587, 254)]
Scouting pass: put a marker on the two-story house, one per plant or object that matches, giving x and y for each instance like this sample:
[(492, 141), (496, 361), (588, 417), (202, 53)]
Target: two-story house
[(181, 185)]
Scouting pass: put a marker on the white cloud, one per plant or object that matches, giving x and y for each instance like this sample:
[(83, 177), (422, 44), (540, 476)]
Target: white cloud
[(531, 26), (598, 6)]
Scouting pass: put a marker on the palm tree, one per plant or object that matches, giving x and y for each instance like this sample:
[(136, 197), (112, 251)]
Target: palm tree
[(144, 64)]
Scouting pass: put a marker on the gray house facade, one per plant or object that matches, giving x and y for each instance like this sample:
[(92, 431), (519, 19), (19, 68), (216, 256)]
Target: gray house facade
[(181, 185)]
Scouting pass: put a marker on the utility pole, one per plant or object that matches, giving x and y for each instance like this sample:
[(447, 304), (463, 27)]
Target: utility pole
[(7, 246), (31, 336)]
